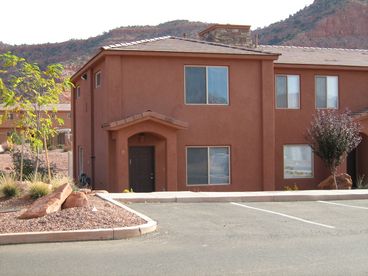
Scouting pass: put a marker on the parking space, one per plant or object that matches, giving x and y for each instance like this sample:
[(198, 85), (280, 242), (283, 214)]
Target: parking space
[(263, 238), (270, 237), (339, 215)]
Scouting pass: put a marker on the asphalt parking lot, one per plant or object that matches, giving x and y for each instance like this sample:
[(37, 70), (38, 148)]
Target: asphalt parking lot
[(264, 238)]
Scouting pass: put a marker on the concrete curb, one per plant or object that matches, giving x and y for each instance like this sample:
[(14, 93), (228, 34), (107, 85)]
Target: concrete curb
[(198, 197), (116, 233)]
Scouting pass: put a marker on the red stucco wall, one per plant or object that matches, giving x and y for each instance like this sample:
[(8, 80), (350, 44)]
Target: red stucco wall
[(291, 125), (132, 84), (250, 124)]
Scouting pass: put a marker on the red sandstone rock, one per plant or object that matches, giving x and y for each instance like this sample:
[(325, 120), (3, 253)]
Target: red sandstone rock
[(48, 204), (100, 191), (94, 192), (343, 182), (85, 190), (76, 199)]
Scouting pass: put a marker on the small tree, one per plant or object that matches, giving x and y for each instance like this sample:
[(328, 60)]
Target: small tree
[(332, 135), (30, 91)]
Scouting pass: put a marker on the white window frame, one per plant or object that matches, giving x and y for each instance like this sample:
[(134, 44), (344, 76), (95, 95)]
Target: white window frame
[(208, 164), (98, 76), (338, 90), (78, 92), (287, 91), (207, 103), (283, 162)]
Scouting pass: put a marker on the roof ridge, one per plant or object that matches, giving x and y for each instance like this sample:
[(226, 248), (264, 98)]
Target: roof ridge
[(124, 44), (314, 48)]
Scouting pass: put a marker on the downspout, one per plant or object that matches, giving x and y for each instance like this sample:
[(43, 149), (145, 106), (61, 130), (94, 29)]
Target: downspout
[(74, 141), (92, 131)]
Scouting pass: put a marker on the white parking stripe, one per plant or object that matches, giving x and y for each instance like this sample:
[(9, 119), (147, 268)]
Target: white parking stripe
[(283, 215), (344, 205)]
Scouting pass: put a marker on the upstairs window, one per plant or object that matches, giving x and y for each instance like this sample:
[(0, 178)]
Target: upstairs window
[(98, 79), (327, 91), (288, 91), (10, 116), (206, 85)]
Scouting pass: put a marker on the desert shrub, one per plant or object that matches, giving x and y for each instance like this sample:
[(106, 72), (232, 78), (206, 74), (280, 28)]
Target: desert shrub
[(361, 182), (39, 189), (37, 178), (59, 180), (291, 188), (29, 164), (8, 186)]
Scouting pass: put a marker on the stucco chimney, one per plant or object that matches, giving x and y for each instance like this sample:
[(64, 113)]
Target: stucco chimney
[(238, 35)]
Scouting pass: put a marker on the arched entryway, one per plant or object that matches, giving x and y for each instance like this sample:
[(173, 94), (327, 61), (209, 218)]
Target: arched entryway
[(143, 152), (147, 162)]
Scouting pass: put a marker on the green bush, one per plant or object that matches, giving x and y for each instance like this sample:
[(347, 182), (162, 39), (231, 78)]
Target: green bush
[(39, 189), (29, 164), (8, 186)]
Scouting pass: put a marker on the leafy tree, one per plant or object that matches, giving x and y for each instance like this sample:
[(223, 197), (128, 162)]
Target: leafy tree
[(33, 94), (332, 135)]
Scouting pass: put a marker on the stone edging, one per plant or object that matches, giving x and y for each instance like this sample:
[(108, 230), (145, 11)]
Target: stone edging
[(116, 233)]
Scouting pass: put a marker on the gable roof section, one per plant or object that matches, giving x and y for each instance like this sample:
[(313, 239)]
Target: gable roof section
[(177, 45), (318, 56), (173, 44), (146, 116)]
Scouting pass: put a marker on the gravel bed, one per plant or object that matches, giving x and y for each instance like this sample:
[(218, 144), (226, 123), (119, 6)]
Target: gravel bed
[(107, 216)]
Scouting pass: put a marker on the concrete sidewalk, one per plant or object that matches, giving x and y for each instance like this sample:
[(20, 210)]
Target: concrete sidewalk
[(196, 197)]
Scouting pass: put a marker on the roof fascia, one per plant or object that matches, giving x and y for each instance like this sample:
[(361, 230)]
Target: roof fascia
[(320, 66), (87, 65), (191, 54)]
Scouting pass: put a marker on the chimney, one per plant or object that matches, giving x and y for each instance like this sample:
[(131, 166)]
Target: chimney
[(237, 35)]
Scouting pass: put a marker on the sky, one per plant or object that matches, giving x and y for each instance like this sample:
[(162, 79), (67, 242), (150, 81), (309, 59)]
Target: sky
[(42, 21)]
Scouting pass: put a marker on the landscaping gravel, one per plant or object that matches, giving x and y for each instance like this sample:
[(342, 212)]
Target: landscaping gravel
[(99, 214)]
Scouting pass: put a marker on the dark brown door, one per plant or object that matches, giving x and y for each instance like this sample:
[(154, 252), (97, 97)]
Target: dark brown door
[(141, 169)]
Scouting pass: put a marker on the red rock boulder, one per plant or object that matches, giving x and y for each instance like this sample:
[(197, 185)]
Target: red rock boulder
[(85, 190), (76, 199), (48, 204), (343, 180)]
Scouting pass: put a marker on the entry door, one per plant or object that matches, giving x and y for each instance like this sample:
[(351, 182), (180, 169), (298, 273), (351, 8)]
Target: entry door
[(141, 169)]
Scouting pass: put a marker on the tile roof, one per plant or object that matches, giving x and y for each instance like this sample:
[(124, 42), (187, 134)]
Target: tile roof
[(318, 56), (184, 45)]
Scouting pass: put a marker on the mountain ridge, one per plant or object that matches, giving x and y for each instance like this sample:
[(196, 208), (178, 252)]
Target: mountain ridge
[(324, 23)]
